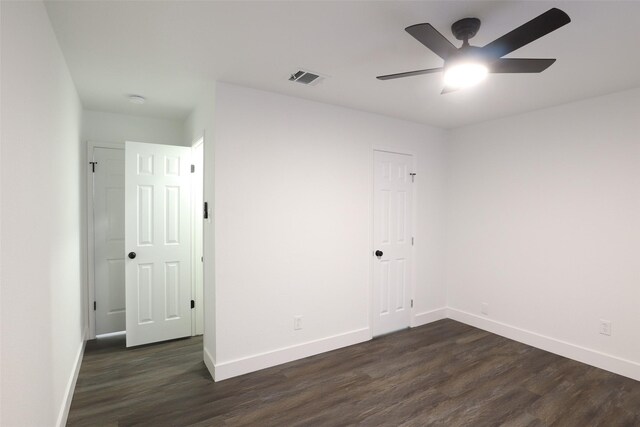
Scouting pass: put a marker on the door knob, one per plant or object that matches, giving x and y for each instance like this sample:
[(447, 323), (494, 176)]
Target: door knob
[(379, 253), (132, 255)]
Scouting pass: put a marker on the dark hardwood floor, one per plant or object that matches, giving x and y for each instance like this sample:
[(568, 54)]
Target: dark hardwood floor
[(445, 373)]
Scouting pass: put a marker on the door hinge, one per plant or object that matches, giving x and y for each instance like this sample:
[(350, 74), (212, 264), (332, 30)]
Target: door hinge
[(193, 168), (205, 210), (412, 241), (193, 304), (94, 306), (413, 176), (93, 166), (411, 303), (201, 259)]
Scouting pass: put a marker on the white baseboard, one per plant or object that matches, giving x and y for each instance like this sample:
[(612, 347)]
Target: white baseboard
[(428, 317), (591, 357), (233, 368), (209, 362), (71, 385)]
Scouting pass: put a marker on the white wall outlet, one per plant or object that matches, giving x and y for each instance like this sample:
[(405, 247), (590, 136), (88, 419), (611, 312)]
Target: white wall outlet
[(605, 327), (297, 323), (484, 308)]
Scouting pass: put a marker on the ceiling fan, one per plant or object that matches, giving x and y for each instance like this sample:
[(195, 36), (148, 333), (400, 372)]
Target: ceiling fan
[(468, 64)]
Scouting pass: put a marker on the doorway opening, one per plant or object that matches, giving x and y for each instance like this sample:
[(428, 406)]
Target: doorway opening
[(393, 195), (145, 229)]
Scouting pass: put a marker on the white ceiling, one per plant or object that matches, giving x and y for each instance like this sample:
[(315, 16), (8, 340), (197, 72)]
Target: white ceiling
[(167, 51)]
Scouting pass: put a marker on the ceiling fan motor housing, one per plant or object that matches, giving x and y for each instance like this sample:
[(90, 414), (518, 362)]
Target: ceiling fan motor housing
[(465, 28)]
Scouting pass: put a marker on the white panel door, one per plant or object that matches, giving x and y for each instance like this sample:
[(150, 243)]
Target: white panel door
[(108, 217), (392, 239), (157, 242)]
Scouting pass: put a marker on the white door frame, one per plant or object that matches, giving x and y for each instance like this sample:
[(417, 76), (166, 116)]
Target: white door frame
[(414, 209), (196, 215), (91, 283)]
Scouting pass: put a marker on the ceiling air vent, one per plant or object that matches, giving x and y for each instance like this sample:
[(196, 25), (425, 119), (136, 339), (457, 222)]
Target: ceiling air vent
[(306, 78)]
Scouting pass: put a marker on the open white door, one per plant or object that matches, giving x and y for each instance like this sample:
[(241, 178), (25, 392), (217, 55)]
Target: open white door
[(392, 266), (157, 242)]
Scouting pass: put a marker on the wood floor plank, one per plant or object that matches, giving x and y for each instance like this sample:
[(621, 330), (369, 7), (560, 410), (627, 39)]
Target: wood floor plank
[(442, 374)]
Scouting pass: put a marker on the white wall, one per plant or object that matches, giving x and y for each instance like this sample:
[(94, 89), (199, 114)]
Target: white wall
[(1, 280), (543, 225), (293, 186), (98, 126), (42, 316), (200, 124)]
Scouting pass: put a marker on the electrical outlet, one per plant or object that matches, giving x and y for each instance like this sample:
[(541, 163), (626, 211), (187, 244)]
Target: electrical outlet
[(484, 308), (605, 327), (297, 323)]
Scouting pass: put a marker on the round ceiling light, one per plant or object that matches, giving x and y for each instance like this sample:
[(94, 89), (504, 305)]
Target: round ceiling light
[(464, 74), (137, 99)]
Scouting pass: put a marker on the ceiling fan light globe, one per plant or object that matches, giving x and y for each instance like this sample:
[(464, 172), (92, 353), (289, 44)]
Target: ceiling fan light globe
[(462, 75)]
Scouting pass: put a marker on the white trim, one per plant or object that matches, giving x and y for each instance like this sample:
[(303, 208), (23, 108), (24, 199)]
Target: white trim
[(71, 385), (244, 365), (420, 319), (372, 188), (196, 215), (91, 289), (209, 362), (264, 360), (91, 314), (591, 357), (197, 142), (114, 145)]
